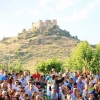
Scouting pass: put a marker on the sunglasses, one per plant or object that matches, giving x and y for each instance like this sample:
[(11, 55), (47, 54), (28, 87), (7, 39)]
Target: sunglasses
[(40, 90)]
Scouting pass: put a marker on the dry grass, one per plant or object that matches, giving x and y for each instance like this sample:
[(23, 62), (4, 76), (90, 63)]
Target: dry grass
[(41, 48)]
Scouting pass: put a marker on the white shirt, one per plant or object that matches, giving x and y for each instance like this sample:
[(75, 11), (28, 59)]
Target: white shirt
[(29, 92), (27, 88), (27, 78), (23, 82), (64, 84), (16, 87), (70, 75), (84, 93), (48, 91), (84, 81)]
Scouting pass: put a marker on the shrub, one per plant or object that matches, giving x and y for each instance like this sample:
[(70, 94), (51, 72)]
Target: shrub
[(47, 66)]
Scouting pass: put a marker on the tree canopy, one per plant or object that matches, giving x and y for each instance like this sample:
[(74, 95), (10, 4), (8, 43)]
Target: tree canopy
[(84, 55), (47, 66)]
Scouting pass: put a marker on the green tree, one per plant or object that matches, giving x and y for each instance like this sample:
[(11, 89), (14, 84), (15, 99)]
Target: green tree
[(95, 63), (1, 66), (82, 56), (47, 66)]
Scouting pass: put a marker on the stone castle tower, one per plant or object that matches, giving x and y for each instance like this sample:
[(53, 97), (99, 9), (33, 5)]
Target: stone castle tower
[(40, 24), (43, 25)]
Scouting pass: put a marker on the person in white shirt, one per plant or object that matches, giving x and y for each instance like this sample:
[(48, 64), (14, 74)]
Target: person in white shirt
[(32, 89), (23, 81), (85, 93), (28, 85), (16, 85), (26, 75), (69, 73), (73, 95)]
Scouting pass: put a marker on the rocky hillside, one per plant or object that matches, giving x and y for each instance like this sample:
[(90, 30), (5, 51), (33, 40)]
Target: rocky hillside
[(31, 47)]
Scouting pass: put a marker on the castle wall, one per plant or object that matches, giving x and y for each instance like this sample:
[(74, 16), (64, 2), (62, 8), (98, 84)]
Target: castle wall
[(48, 23), (54, 22), (41, 25), (35, 25)]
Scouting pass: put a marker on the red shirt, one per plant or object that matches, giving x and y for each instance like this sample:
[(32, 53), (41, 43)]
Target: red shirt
[(36, 76)]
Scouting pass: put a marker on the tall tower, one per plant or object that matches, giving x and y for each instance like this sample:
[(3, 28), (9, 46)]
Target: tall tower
[(40, 24), (54, 22), (32, 24), (48, 23)]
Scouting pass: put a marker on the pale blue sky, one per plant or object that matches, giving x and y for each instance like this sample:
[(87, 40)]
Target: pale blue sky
[(79, 17)]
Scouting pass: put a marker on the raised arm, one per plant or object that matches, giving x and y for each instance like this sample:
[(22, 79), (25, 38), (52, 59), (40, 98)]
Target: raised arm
[(60, 81)]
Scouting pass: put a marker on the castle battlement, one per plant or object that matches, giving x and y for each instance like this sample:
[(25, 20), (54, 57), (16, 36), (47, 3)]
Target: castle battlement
[(40, 24)]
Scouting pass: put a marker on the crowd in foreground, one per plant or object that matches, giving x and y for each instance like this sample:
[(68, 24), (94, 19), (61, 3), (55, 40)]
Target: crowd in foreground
[(54, 86)]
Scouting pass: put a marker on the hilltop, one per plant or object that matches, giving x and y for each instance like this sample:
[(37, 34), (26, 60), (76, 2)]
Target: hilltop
[(30, 47)]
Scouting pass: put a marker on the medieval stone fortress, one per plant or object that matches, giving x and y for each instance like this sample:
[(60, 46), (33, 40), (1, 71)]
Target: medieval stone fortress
[(44, 28), (40, 25)]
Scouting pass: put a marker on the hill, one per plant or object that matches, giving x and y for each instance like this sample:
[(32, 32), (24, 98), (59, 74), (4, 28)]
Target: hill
[(31, 47)]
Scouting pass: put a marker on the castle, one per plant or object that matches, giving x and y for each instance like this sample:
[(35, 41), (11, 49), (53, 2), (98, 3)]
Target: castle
[(43, 25)]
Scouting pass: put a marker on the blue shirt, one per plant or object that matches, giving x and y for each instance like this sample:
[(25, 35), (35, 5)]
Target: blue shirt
[(69, 84), (5, 77), (48, 77), (80, 86), (75, 78), (1, 76)]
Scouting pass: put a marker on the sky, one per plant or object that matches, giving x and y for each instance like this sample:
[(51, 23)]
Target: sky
[(80, 17)]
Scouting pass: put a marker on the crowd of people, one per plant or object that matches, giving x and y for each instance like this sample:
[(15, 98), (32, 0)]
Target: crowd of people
[(22, 85)]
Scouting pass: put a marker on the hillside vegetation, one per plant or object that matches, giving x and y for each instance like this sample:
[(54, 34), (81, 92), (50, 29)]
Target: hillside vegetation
[(32, 47)]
